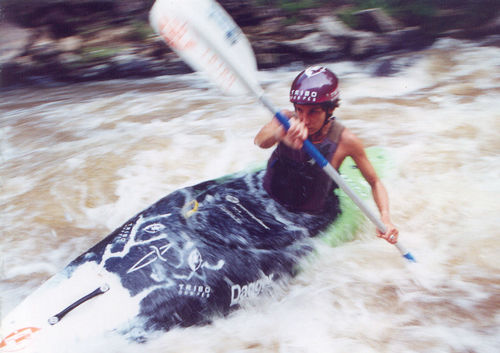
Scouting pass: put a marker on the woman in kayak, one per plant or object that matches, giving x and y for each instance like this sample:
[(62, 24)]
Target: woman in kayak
[(292, 178)]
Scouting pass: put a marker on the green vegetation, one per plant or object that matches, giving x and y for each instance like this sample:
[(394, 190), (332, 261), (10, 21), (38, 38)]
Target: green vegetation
[(98, 53), (140, 31), (409, 12), (431, 15), (295, 6)]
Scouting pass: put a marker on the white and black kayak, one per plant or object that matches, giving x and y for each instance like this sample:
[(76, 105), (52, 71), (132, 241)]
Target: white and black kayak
[(194, 255)]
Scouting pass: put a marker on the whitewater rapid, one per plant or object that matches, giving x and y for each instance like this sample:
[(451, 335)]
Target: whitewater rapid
[(78, 161)]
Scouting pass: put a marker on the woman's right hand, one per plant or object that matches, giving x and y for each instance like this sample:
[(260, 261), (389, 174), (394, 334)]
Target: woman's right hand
[(273, 132), (295, 136)]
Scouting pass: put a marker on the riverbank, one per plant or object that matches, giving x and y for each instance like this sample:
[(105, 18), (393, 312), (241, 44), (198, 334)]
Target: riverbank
[(51, 42)]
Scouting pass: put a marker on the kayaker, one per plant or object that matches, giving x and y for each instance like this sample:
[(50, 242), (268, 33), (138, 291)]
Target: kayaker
[(292, 177)]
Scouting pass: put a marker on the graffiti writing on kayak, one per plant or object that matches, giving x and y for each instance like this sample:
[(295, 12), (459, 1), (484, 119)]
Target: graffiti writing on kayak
[(155, 254), (249, 291), (239, 209), (124, 232), (181, 257), (194, 260), (201, 290)]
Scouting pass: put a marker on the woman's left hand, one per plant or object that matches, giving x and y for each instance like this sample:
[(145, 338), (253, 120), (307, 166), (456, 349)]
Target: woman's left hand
[(391, 235)]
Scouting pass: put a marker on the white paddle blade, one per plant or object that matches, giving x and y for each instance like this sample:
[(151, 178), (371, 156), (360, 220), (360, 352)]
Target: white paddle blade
[(206, 37)]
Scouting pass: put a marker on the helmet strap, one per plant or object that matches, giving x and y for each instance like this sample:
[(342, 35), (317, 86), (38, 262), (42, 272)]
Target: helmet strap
[(320, 135)]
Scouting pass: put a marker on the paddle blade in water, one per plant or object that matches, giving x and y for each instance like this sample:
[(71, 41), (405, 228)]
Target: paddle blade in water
[(206, 37)]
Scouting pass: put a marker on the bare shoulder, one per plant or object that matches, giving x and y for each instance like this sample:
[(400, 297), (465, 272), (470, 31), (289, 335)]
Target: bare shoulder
[(350, 144), (348, 138)]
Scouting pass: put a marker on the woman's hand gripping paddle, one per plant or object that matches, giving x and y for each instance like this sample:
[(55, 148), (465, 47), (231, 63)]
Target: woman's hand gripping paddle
[(206, 37)]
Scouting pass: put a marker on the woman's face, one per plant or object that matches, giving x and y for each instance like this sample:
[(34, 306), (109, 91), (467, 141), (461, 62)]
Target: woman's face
[(312, 115)]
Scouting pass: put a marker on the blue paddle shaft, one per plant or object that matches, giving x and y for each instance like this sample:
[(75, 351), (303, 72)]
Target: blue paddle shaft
[(308, 146)]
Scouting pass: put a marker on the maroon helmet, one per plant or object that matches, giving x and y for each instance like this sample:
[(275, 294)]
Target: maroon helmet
[(314, 85)]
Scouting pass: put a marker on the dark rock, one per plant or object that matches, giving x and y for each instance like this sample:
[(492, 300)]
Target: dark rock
[(299, 31), (365, 46), (353, 43), (384, 68), (15, 75), (411, 38), (131, 66), (60, 14), (376, 20), (336, 28), (266, 54), (44, 49), (246, 13), (491, 41), (490, 28), (269, 27), (131, 7), (312, 44), (391, 65), (14, 41), (10, 74)]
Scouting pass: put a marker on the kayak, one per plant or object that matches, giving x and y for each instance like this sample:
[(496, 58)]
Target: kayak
[(197, 254)]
